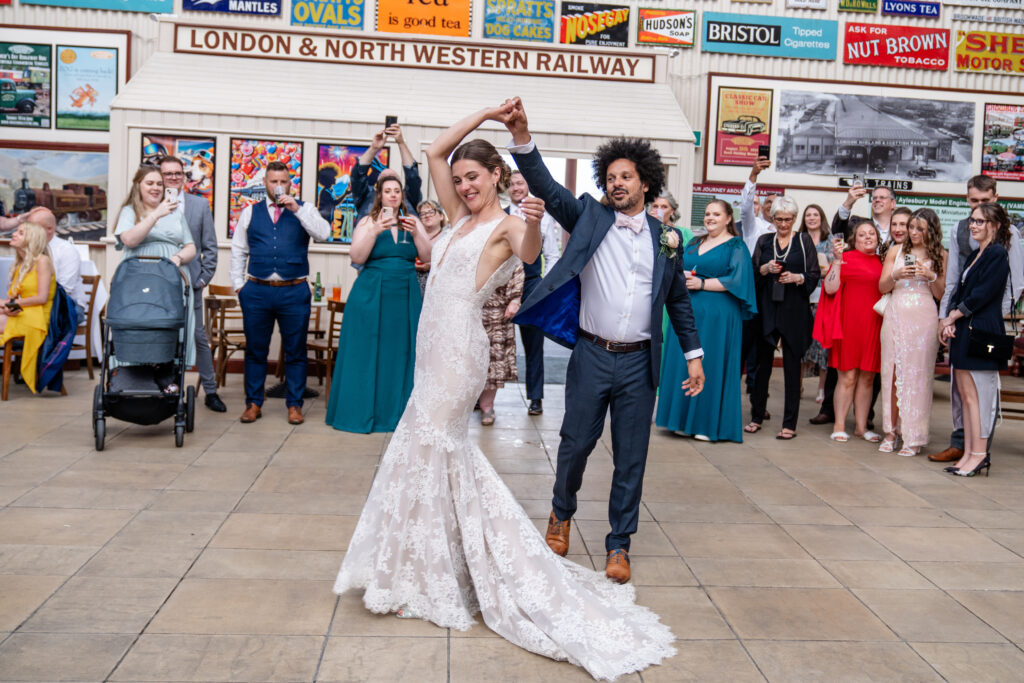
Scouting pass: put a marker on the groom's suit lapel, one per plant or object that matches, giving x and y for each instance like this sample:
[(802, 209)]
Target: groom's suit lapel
[(659, 263)]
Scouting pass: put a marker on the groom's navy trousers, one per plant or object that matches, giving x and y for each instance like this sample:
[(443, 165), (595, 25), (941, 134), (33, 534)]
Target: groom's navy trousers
[(596, 381)]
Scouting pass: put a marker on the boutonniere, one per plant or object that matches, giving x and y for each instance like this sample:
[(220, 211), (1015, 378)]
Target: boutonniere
[(669, 242)]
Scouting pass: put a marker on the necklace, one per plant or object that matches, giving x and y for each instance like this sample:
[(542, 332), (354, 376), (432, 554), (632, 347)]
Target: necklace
[(775, 248)]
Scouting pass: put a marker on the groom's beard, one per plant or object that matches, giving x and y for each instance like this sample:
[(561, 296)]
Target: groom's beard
[(625, 205)]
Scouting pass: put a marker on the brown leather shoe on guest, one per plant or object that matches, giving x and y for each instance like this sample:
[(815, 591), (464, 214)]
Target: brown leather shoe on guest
[(295, 415), (558, 535), (617, 567), (948, 455), (251, 414)]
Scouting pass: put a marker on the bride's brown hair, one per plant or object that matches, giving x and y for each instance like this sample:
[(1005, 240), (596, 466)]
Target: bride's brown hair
[(484, 153)]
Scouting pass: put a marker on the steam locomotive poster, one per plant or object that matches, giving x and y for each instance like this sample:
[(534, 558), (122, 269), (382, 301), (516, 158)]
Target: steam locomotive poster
[(71, 184), (25, 85), (198, 157), (333, 180), (1003, 151), (249, 159), (86, 83)]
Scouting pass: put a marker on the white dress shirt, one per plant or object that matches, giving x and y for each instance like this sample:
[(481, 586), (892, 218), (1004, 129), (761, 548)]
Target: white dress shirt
[(550, 233), (752, 225), (311, 220), (67, 268)]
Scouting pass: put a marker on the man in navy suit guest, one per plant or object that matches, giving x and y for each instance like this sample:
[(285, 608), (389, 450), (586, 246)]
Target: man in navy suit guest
[(618, 271)]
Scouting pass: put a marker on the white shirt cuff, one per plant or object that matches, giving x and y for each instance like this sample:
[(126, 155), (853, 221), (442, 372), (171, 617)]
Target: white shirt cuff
[(844, 213), (696, 353), (521, 149)]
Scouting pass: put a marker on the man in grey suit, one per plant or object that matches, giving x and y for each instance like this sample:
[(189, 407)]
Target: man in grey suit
[(201, 269)]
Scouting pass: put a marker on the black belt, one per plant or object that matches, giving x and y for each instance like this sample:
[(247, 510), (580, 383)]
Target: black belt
[(616, 347), (277, 283)]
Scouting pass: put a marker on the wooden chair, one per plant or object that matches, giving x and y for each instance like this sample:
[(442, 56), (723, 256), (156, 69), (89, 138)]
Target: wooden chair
[(225, 331), (326, 349), (91, 284), (10, 353)]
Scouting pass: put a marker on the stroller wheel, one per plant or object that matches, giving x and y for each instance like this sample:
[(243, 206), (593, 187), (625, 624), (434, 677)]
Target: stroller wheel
[(97, 402), (190, 409), (179, 435), (100, 429)]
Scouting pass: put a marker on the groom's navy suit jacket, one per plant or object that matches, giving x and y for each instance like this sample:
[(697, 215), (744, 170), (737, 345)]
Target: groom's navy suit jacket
[(554, 305)]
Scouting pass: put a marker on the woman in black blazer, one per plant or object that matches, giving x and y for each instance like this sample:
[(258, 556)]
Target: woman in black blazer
[(786, 272)]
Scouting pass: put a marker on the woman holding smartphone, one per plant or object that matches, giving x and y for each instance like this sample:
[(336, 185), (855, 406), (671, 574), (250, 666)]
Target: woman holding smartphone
[(376, 349)]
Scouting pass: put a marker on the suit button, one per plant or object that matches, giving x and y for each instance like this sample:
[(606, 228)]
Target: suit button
[(572, 273), (551, 288)]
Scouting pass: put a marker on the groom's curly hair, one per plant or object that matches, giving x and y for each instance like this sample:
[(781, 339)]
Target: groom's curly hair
[(646, 158)]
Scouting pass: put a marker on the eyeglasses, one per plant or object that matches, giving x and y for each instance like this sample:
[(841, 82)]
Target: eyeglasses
[(173, 174), (427, 213), (785, 221), (978, 221)]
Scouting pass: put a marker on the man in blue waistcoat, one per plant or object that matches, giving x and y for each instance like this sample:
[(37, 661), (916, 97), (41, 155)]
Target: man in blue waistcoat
[(271, 244)]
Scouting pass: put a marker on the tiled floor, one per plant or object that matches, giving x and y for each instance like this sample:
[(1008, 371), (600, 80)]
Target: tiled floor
[(771, 561)]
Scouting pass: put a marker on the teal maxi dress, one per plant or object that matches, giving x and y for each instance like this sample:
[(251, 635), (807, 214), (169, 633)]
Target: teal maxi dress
[(716, 412), (376, 349)]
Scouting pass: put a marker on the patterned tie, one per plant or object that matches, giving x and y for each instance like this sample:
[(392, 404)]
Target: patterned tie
[(634, 223), (277, 213)]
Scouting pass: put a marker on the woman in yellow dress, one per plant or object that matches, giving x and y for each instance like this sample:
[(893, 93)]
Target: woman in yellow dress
[(26, 313)]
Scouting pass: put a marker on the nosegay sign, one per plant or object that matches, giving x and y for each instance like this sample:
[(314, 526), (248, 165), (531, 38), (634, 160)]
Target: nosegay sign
[(909, 47)]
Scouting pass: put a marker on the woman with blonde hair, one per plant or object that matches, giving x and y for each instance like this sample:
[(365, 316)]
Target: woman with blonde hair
[(26, 313)]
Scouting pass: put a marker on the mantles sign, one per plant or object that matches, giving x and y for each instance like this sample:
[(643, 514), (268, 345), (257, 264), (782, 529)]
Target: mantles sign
[(340, 48)]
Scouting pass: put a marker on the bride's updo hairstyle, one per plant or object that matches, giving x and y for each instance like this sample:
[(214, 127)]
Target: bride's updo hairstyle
[(484, 153)]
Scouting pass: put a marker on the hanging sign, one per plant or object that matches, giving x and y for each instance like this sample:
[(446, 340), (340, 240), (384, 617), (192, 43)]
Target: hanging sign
[(589, 23), (909, 47), (532, 20), (673, 27), (911, 8)]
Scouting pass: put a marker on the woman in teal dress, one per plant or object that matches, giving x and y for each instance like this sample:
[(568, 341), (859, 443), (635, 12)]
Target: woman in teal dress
[(376, 349), (720, 278), (151, 224)]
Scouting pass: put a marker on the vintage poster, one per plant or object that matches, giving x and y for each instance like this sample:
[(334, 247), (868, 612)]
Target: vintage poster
[(989, 4), (331, 14), (988, 52), (1002, 154), (159, 6), (908, 47), (870, 6), (333, 178), (86, 83), (672, 27), (198, 157), (752, 34), (838, 133), (705, 193), (807, 4), (404, 16), (71, 184), (744, 123), (911, 8), (589, 23), (25, 71), (267, 8), (953, 208), (249, 159), (516, 20)]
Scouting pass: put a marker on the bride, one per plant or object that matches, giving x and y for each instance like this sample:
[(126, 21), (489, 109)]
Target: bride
[(441, 537)]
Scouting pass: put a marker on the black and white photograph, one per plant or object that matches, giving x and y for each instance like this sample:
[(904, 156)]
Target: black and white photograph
[(883, 137)]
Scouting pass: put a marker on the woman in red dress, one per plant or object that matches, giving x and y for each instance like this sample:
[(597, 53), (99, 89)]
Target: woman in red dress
[(848, 324)]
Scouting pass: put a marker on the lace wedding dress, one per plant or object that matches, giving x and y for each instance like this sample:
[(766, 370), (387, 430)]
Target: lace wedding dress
[(442, 535)]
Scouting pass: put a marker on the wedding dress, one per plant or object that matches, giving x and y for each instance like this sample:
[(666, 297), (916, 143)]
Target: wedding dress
[(442, 535)]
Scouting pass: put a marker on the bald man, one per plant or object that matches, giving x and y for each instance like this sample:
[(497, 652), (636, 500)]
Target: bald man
[(67, 263)]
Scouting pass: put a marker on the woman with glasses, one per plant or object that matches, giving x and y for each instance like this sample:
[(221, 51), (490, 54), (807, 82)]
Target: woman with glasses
[(976, 308), (434, 221)]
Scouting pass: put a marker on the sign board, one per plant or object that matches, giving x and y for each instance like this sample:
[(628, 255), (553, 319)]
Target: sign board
[(909, 47), (751, 34), (593, 24), (332, 14), (532, 21), (440, 18), (869, 6), (672, 27), (270, 8), (988, 52), (911, 8)]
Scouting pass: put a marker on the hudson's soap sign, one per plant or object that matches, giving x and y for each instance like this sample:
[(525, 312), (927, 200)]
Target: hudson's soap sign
[(588, 23)]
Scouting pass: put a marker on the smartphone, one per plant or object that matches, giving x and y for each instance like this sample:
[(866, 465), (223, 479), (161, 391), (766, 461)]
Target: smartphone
[(13, 306), (386, 212), (171, 193), (764, 151), (390, 120), (909, 260), (857, 180)]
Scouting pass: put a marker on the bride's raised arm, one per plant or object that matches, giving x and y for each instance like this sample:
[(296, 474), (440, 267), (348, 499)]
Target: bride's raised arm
[(442, 148), (525, 238)]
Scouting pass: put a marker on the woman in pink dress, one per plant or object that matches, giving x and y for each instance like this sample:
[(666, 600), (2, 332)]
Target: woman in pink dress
[(913, 272)]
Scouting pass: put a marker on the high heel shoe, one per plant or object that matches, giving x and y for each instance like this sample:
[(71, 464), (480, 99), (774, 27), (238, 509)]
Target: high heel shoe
[(983, 465)]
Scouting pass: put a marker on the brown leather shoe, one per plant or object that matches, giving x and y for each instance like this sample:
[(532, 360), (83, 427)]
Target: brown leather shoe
[(295, 415), (948, 455), (617, 567), (558, 535), (251, 414)]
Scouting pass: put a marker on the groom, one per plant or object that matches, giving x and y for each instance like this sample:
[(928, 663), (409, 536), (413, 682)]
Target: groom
[(604, 300)]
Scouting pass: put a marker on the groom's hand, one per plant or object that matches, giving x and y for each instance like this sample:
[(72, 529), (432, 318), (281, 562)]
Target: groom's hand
[(694, 384), (516, 121)]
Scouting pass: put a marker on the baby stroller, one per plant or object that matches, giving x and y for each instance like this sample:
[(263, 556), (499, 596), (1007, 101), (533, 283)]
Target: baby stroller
[(146, 327)]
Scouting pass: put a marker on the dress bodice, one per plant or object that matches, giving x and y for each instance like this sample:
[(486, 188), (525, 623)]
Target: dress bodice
[(454, 266), (387, 254)]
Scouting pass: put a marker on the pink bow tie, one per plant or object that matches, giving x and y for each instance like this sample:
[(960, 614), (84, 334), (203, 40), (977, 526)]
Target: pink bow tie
[(634, 223)]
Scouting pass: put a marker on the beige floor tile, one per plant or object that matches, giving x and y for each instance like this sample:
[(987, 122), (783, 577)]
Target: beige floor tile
[(353, 619), (594, 510), (894, 574), (141, 563), (975, 662), (881, 516), (733, 541), (227, 563), (648, 540), (25, 469), (949, 545), (975, 576), (653, 570), (710, 513), (1002, 610), (687, 611), (705, 661), (798, 614), (42, 560), (495, 659), (9, 494), (118, 475), (927, 616), (804, 514), (1013, 539), (101, 605), (48, 526), (196, 478), (159, 529), (694, 490), (196, 501), (313, 481), (837, 542), (952, 494), (61, 656), (22, 595), (246, 606), (303, 504), (372, 659), (285, 532), (785, 493), (347, 458), (74, 497), (849, 662), (757, 572), (873, 494), (221, 658), (989, 519)]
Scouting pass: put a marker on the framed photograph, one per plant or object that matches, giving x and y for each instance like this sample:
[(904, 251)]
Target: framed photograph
[(198, 156), (1002, 154), (25, 76), (334, 201), (86, 83), (744, 123), (249, 159)]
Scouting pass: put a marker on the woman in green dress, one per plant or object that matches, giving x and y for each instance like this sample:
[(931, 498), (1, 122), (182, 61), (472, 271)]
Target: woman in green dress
[(720, 278), (376, 349)]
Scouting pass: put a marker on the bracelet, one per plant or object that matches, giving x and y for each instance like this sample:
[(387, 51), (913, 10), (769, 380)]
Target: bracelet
[(702, 284), (934, 278)]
